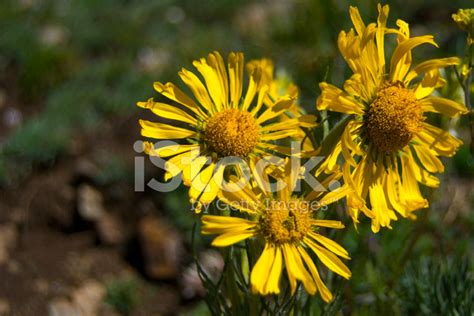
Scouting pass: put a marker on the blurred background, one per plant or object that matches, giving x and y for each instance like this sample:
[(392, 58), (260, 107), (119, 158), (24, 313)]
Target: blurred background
[(75, 239)]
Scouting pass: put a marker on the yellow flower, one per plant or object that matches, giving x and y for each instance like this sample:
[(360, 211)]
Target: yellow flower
[(223, 122), (290, 231), (387, 145), (277, 88), (464, 18)]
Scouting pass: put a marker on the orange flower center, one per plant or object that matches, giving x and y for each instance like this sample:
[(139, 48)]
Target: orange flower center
[(232, 132), (285, 222), (393, 118)]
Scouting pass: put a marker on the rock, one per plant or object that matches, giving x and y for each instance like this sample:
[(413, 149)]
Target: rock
[(85, 301), (13, 267), (41, 286), (85, 168), (110, 229), (190, 283), (60, 208), (161, 247), (4, 307), (161, 301), (108, 311), (63, 307), (191, 286), (89, 297), (53, 201), (8, 240), (18, 215), (89, 203)]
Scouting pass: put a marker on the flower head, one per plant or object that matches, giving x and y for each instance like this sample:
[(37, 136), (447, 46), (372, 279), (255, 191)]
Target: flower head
[(220, 121), (464, 18), (290, 230), (388, 145), (279, 86)]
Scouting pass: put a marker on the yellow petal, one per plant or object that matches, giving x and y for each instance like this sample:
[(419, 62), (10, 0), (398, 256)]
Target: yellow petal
[(296, 269), (214, 185), (197, 88), (285, 151), (168, 111), (290, 267), (327, 223), (428, 159), (421, 174), (302, 121), (192, 166), (330, 244), (330, 163), (378, 201), (167, 151), (216, 83), (430, 82), (391, 185), (215, 219), (410, 193), (430, 65), (323, 290), (164, 131), (329, 259), (215, 60), (277, 109), (212, 224), (172, 92), (405, 48), (444, 106), (199, 183), (236, 67), (438, 140), (272, 285), (334, 99), (231, 238), (379, 36), (359, 181), (261, 270), (179, 163), (336, 195), (254, 79), (349, 147), (403, 66), (357, 20), (243, 199), (262, 93), (278, 135)]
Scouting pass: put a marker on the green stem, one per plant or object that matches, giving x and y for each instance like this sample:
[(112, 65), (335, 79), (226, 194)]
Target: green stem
[(334, 136), (467, 94)]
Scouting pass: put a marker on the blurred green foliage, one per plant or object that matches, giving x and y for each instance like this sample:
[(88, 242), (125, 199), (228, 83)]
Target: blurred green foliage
[(122, 294), (435, 287), (113, 170)]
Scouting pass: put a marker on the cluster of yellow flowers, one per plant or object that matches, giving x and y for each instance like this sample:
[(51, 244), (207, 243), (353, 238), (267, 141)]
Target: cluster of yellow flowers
[(464, 18), (383, 151)]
